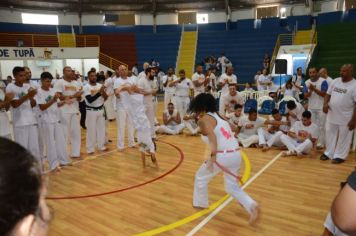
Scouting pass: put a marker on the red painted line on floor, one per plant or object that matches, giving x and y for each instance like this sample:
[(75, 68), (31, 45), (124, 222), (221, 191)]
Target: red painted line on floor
[(130, 187)]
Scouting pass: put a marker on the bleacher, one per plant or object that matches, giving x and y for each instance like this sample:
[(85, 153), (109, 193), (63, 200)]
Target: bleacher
[(162, 47)]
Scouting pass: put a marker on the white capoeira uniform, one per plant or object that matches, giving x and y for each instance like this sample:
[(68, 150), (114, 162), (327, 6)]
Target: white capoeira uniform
[(5, 130), (233, 119), (342, 104), (230, 160), (198, 77), (169, 91), (109, 103), (53, 133), (298, 111), (134, 104), (95, 120), (24, 121), (315, 106), (272, 139), (299, 129), (230, 79), (228, 102), (148, 86), (122, 118), (249, 136), (172, 127), (329, 224), (182, 95), (70, 116)]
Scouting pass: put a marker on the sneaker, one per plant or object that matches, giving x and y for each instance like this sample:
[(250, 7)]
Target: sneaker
[(337, 161), (324, 157)]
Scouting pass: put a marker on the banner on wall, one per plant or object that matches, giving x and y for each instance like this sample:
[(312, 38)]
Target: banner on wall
[(23, 53)]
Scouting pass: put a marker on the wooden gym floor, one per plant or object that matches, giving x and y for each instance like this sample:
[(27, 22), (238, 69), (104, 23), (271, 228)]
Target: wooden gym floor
[(111, 194)]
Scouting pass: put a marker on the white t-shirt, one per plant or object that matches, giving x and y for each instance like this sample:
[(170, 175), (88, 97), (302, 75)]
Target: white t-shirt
[(264, 79), (68, 89), (304, 131), (34, 84), (51, 114), (22, 115), (200, 78), (174, 114), (230, 101), (231, 79), (166, 78), (329, 224), (134, 79), (148, 86), (233, 119), (141, 75), (109, 84), (183, 88), (315, 102), (298, 111), (298, 80), (244, 121), (342, 101), (93, 90), (283, 128), (120, 82)]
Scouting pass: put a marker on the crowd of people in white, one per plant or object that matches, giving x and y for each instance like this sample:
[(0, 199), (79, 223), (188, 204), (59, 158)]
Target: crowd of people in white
[(45, 116)]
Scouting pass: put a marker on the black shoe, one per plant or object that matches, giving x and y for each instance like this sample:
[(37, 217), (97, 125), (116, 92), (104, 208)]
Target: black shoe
[(324, 157), (337, 161)]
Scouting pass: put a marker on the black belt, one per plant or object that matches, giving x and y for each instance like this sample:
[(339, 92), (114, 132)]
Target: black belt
[(94, 108)]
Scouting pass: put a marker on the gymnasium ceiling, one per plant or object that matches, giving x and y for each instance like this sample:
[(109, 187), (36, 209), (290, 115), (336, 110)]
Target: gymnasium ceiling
[(139, 6)]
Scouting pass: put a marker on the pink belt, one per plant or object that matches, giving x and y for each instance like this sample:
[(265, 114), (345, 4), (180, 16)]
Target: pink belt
[(229, 151)]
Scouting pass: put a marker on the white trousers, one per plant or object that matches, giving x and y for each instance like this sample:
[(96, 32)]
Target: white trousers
[(150, 113), (182, 104), (109, 107), (95, 123), (221, 104), (27, 136), (73, 136), (168, 97), (294, 146), (4, 125), (122, 121), (246, 140), (266, 137), (171, 129), (338, 141), (230, 161), (55, 142), (318, 118), (41, 141), (191, 126)]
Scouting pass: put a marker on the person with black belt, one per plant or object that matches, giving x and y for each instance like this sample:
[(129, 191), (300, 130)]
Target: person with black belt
[(95, 97)]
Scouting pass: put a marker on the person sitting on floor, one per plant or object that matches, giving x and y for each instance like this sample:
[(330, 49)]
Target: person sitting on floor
[(271, 136), (172, 121), (294, 111), (233, 118), (302, 136), (191, 123)]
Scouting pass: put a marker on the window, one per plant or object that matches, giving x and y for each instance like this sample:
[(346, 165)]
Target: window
[(282, 13), (265, 12), (202, 18), (42, 19)]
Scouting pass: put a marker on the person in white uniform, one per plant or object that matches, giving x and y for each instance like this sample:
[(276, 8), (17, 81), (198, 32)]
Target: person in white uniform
[(5, 103), (95, 97), (264, 80), (224, 80), (150, 89), (216, 132), (132, 99), (229, 100), (71, 94), (169, 91), (109, 103), (339, 104), (315, 90), (294, 111), (323, 73), (190, 122), (184, 88), (298, 83), (199, 81), (53, 133), (234, 118), (23, 118), (172, 121), (302, 137), (272, 135), (143, 73), (122, 119)]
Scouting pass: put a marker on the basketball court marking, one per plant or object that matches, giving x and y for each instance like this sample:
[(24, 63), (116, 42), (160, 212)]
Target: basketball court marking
[(127, 188), (245, 177), (222, 206)]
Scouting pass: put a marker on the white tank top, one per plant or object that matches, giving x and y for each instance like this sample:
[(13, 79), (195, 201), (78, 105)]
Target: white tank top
[(224, 135)]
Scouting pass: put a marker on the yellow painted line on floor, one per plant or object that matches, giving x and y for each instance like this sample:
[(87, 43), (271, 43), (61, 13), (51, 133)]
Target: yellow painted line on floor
[(245, 177)]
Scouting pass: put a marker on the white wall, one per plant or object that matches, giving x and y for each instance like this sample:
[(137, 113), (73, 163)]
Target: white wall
[(329, 6), (216, 17), (243, 14), (55, 67), (167, 19), (89, 63), (76, 64), (146, 19), (6, 67)]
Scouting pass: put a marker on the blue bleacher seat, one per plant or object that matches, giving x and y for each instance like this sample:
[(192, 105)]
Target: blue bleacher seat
[(250, 103), (267, 107), (282, 108)]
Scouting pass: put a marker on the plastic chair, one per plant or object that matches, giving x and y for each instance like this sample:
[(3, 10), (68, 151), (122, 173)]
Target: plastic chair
[(267, 107)]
